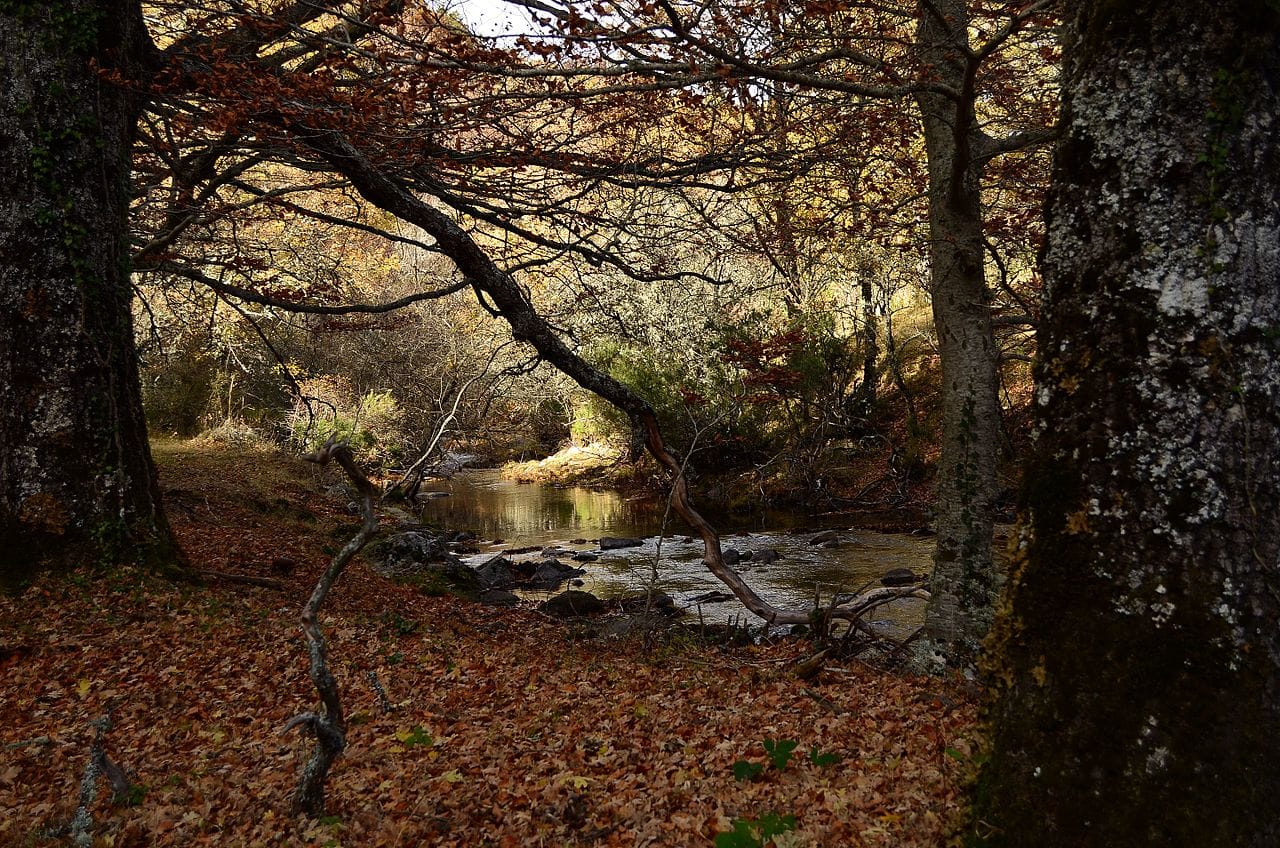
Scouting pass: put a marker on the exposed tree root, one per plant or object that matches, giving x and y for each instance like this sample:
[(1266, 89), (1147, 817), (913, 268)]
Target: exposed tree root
[(329, 725)]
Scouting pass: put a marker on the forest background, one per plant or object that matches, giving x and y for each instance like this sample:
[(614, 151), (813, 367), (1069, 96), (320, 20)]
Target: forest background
[(728, 169), (782, 328)]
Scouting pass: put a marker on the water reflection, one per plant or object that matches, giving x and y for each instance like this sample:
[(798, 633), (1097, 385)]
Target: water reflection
[(523, 515), (483, 503)]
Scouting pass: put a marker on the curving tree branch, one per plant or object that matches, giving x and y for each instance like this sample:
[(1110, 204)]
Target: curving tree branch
[(509, 301), (328, 726)]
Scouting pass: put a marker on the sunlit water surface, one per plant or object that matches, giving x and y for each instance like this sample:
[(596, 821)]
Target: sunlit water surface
[(507, 515)]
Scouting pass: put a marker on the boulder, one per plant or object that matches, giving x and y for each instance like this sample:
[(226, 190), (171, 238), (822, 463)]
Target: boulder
[(899, 577), (731, 556), (407, 552), (585, 556), (496, 573), (550, 573), (767, 556), (824, 538), (663, 604), (712, 597), (613, 543), (572, 603), (444, 578)]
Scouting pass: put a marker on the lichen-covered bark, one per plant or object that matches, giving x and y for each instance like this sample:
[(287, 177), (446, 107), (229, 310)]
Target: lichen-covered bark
[(76, 479), (964, 582), (1136, 666)]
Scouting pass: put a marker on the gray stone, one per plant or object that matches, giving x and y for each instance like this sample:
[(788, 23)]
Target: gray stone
[(572, 603), (406, 552), (611, 543), (496, 573), (899, 577), (662, 604), (551, 573)]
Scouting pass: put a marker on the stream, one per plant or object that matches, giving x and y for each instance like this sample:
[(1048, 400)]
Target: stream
[(506, 515)]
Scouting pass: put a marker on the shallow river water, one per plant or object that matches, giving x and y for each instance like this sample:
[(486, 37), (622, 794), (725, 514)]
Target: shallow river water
[(507, 515)]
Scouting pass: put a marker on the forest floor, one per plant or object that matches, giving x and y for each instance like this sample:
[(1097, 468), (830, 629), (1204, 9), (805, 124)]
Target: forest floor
[(498, 727)]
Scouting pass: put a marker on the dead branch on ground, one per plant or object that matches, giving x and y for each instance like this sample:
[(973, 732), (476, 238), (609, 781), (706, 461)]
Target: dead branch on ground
[(98, 766), (329, 725), (245, 579)]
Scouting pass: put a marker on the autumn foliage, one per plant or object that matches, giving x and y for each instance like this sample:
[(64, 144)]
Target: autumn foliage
[(498, 727)]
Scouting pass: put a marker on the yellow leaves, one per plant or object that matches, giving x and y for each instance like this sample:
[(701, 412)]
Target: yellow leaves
[(577, 781), (452, 776), (1078, 522), (82, 687), (414, 736)]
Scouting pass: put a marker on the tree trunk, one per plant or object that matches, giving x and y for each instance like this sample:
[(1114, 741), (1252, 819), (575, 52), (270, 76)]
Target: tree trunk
[(862, 403), (77, 484), (964, 582), (1136, 667)]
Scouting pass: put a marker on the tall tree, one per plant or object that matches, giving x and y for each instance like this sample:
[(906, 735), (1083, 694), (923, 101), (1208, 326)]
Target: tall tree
[(76, 479), (1136, 669), (964, 580)]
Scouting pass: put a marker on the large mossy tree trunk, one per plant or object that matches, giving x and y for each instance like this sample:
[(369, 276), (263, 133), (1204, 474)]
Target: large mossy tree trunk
[(965, 581), (1136, 666), (77, 484)]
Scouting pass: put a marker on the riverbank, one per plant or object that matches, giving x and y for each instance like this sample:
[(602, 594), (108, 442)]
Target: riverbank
[(469, 726), (861, 490)]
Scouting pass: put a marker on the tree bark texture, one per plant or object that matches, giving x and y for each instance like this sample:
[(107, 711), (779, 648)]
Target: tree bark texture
[(77, 484), (1136, 662), (964, 582), (330, 725)]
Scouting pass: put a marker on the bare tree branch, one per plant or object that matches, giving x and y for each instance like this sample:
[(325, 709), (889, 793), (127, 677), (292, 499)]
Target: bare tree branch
[(329, 726)]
